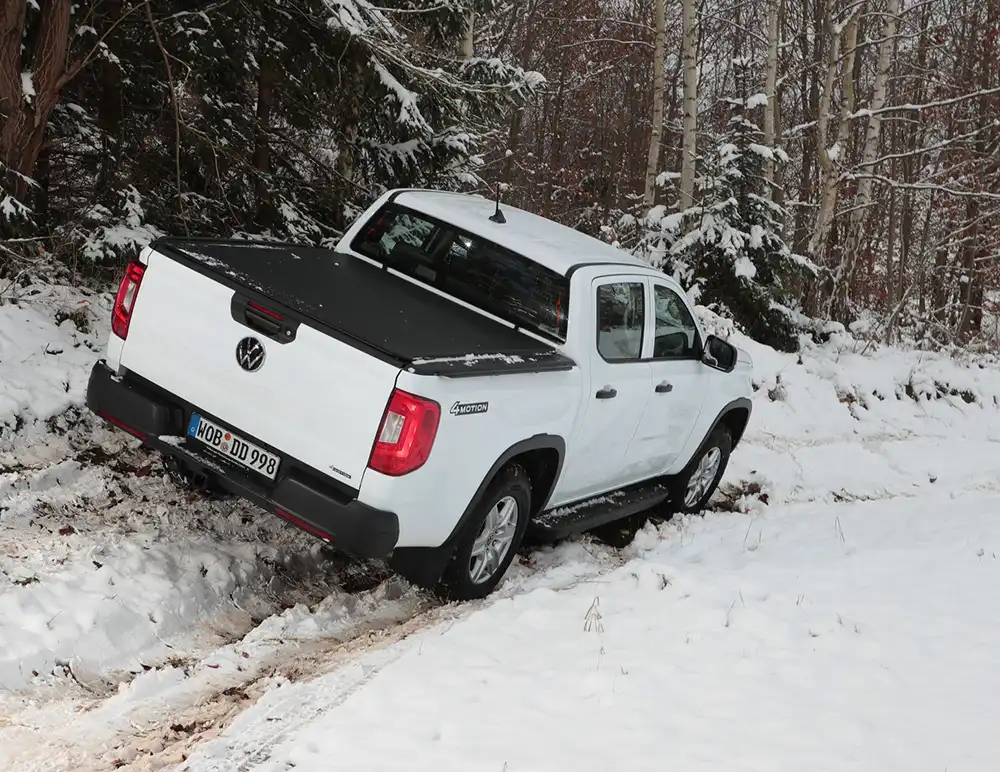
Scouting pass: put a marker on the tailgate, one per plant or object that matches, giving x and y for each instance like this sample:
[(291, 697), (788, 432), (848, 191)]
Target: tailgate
[(314, 398)]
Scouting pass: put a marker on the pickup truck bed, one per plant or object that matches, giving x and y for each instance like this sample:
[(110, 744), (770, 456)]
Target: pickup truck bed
[(362, 303)]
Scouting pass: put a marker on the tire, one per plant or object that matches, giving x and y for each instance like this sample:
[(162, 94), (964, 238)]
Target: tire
[(508, 496), (693, 487)]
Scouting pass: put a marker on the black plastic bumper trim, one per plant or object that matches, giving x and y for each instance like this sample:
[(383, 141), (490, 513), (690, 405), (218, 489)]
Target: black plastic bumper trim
[(152, 414)]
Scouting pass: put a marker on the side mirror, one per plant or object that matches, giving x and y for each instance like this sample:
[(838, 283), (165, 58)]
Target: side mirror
[(719, 354)]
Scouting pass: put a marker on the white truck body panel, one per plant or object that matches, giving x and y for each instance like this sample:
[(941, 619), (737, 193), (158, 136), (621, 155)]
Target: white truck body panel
[(430, 500), (318, 399)]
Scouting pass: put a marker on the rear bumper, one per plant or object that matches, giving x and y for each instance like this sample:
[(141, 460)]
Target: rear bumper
[(299, 494)]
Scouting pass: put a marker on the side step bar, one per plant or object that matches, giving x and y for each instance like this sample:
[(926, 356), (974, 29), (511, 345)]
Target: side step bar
[(562, 521)]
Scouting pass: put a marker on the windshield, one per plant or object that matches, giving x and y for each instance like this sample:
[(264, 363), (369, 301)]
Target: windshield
[(469, 268)]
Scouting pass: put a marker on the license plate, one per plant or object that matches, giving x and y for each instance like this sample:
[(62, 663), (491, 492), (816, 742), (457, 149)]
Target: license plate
[(233, 447)]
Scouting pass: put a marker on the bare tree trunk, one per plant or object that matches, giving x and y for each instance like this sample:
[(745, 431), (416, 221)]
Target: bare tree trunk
[(848, 264), (467, 45), (557, 144), (659, 17), (267, 81), (110, 108), (829, 164), (516, 119), (11, 36), (689, 143), (890, 252), (350, 120), (770, 84), (24, 121), (968, 278), (810, 105)]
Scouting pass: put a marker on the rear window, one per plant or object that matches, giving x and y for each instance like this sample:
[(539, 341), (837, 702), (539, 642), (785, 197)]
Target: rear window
[(469, 268)]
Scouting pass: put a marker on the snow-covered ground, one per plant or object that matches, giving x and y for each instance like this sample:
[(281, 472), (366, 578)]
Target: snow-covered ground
[(836, 611)]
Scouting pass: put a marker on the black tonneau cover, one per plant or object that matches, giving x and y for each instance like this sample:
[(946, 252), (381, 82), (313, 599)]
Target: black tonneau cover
[(349, 297)]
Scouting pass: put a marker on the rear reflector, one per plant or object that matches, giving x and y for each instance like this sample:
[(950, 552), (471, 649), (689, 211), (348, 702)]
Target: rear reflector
[(128, 290), (302, 524), (112, 420), (406, 435)]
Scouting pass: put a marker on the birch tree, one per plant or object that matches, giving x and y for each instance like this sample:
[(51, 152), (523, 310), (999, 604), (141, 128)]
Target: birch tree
[(845, 274), (770, 88), (843, 36), (467, 43), (659, 25), (689, 144)]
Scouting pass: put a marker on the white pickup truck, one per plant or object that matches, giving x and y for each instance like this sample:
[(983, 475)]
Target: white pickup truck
[(442, 381)]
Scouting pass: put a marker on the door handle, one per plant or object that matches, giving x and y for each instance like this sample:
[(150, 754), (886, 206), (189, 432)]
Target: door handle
[(607, 393), (664, 387)]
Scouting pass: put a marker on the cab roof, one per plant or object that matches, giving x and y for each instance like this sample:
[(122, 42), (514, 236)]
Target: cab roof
[(553, 245)]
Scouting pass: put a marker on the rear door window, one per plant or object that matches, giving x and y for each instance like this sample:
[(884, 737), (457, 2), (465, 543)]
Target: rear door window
[(469, 268)]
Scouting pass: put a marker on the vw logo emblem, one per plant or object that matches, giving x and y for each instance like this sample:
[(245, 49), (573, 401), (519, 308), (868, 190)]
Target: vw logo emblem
[(250, 354)]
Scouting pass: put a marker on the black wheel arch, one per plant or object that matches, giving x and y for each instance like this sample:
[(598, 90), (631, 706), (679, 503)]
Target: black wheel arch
[(735, 416), (426, 565)]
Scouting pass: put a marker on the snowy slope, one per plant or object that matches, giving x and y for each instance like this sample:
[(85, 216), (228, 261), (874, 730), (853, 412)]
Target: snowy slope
[(858, 637), (849, 624), (143, 626)]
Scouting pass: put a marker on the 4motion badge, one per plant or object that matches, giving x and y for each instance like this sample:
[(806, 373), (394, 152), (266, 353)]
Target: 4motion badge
[(469, 408)]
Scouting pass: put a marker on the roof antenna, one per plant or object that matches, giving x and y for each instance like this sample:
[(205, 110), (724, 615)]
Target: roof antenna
[(497, 216)]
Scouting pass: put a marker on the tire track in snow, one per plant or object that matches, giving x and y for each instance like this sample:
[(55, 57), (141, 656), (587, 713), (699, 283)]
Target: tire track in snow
[(283, 691), (158, 719), (332, 673), (159, 706)]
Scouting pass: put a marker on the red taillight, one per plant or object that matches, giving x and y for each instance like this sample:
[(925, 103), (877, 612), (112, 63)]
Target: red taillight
[(121, 314), (406, 435)]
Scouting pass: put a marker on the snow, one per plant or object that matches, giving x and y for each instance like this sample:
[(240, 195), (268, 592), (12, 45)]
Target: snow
[(835, 609), (560, 512), (470, 360), (810, 639), (28, 86), (122, 233), (757, 100), (409, 112), (206, 260), (46, 365), (744, 267)]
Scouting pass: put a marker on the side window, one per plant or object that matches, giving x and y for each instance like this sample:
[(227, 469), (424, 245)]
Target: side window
[(621, 312), (676, 335)]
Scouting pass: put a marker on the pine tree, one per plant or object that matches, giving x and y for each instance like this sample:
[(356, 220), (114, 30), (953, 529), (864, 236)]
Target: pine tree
[(255, 117), (733, 254)]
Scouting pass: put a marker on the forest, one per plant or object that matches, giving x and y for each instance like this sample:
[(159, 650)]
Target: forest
[(797, 164)]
